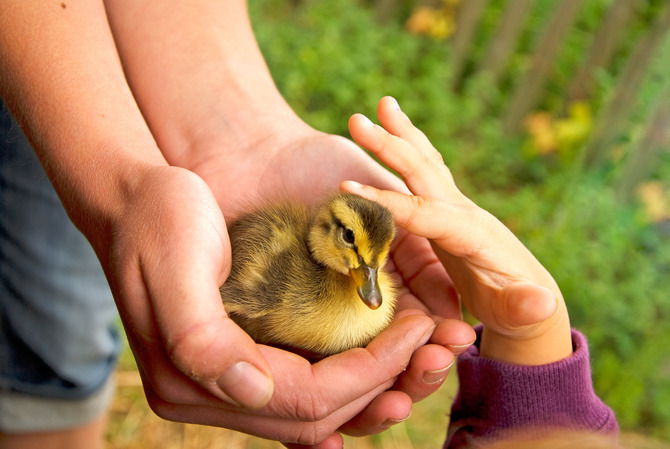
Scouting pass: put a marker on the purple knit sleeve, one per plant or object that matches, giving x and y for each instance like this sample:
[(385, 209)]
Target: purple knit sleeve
[(497, 398)]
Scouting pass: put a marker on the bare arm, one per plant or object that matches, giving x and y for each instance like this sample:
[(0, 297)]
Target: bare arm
[(199, 76), (157, 230), (63, 81)]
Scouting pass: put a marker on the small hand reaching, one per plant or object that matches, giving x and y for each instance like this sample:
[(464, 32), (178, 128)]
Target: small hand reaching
[(499, 280)]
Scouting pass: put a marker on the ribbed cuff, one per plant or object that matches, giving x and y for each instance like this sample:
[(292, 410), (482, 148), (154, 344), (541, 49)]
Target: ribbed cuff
[(497, 398)]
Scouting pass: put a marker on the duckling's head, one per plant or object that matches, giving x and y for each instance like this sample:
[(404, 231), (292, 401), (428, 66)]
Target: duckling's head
[(353, 235)]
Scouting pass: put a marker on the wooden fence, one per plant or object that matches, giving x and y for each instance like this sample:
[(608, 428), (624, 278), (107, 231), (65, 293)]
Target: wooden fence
[(614, 116), (625, 57)]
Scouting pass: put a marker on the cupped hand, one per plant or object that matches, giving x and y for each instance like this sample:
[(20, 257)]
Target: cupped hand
[(168, 254), (307, 165), (500, 281)]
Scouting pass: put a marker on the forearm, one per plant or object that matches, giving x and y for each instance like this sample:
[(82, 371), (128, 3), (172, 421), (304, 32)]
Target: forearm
[(62, 80), (198, 76)]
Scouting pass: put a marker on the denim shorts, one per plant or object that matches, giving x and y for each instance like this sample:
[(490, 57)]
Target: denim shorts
[(58, 323)]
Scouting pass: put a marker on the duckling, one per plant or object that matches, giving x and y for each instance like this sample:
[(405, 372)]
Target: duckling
[(312, 280)]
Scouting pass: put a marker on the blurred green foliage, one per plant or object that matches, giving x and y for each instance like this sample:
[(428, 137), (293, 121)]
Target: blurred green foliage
[(333, 58)]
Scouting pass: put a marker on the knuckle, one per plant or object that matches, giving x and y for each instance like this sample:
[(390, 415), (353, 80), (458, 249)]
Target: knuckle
[(187, 351), (159, 388), (313, 433), (162, 408), (311, 408), (385, 142), (308, 436), (415, 206), (301, 406)]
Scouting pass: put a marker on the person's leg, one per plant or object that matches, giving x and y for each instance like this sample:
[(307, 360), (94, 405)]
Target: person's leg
[(86, 436), (58, 342)]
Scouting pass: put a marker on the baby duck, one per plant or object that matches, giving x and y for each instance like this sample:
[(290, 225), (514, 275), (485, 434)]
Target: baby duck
[(312, 280)]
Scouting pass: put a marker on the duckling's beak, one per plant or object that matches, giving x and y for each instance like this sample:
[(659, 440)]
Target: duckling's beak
[(367, 285)]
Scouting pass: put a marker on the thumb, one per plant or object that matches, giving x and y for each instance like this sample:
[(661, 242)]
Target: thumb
[(206, 345), (199, 338), (524, 304), (171, 252)]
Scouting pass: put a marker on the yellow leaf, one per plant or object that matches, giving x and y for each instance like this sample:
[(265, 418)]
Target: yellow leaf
[(580, 111), (576, 127), (421, 20), (656, 200), (442, 28), (540, 126), (436, 23)]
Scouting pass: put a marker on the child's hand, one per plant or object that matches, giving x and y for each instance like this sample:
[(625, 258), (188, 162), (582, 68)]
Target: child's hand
[(499, 280)]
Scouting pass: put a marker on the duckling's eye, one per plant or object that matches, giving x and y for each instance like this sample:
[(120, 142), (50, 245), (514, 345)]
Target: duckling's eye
[(349, 236)]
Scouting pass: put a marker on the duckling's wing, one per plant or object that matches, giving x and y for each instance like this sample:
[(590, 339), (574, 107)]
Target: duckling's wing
[(266, 246)]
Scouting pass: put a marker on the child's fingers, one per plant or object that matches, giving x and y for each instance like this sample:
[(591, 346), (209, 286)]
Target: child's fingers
[(407, 210), (461, 229), (398, 124), (428, 178), (392, 150), (453, 227)]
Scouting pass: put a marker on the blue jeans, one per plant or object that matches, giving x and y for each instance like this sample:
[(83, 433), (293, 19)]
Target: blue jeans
[(58, 336)]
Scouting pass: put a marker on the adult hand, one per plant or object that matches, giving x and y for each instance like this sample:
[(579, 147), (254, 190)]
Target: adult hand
[(500, 281), (306, 167), (169, 252)]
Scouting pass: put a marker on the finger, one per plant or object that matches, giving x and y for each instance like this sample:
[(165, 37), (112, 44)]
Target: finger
[(182, 275), (340, 379), (330, 392), (424, 275), (386, 410), (420, 216), (460, 229), (424, 172), (210, 348), (398, 123), (265, 423), (335, 441), (455, 335), (426, 372), (213, 351)]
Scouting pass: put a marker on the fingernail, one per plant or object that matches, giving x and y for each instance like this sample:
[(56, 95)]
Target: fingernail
[(436, 376), (392, 422), (353, 185), (367, 121), (246, 386), (462, 346), (396, 106), (424, 339)]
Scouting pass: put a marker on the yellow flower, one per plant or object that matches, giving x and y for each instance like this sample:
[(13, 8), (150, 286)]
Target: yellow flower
[(438, 23), (656, 200), (562, 136)]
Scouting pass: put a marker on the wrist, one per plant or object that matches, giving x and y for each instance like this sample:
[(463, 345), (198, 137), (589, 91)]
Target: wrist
[(230, 130), (95, 190), (210, 92)]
